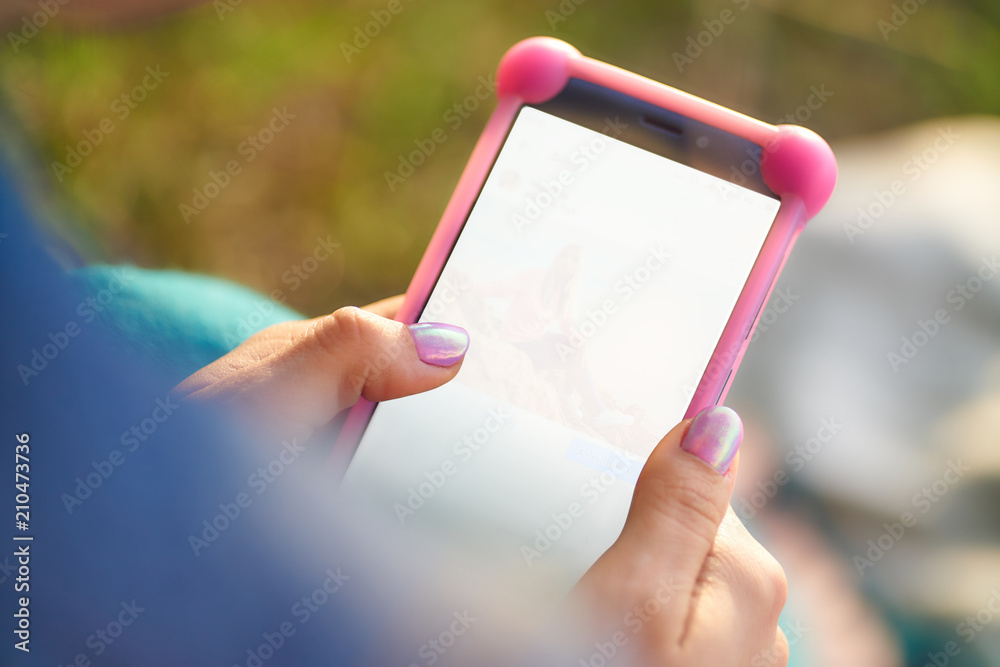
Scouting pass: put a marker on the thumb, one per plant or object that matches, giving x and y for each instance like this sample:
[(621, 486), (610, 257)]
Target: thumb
[(306, 372), (683, 491), (680, 499)]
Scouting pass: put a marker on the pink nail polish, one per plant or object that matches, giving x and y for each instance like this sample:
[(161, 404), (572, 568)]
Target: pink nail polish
[(714, 436), (439, 344)]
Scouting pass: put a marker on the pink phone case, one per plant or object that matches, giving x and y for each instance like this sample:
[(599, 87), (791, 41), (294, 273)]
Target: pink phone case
[(796, 164)]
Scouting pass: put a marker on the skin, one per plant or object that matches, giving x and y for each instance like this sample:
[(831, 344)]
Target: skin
[(726, 590)]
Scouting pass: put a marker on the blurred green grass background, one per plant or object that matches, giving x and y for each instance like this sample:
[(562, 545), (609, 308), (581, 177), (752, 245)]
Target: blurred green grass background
[(324, 175)]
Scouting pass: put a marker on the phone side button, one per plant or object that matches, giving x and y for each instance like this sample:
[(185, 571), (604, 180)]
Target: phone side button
[(724, 386), (753, 322)]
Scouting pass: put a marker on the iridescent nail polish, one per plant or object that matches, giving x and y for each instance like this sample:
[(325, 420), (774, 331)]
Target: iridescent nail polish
[(714, 436), (439, 344)]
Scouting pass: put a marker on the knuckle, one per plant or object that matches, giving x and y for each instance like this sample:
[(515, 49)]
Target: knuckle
[(752, 573), (358, 344), (782, 652), (776, 655), (343, 327), (688, 502), (773, 585)]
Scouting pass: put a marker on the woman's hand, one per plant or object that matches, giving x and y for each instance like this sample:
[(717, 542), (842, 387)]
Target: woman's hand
[(685, 581), (296, 376)]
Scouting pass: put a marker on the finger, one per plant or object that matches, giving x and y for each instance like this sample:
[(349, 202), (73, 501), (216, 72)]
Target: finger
[(776, 655), (386, 307), (680, 499), (743, 582), (336, 359), (683, 492)]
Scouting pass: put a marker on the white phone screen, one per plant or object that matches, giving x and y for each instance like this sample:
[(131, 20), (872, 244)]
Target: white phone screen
[(595, 279)]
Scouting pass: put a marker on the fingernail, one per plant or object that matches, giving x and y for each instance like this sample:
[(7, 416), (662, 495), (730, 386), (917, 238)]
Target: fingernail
[(714, 436), (439, 344)]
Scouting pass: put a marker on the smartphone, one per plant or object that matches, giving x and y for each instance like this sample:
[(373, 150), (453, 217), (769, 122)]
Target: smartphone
[(609, 248)]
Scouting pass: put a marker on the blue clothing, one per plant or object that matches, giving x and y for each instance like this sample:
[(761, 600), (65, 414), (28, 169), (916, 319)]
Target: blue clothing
[(119, 478), (177, 321), (162, 535)]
